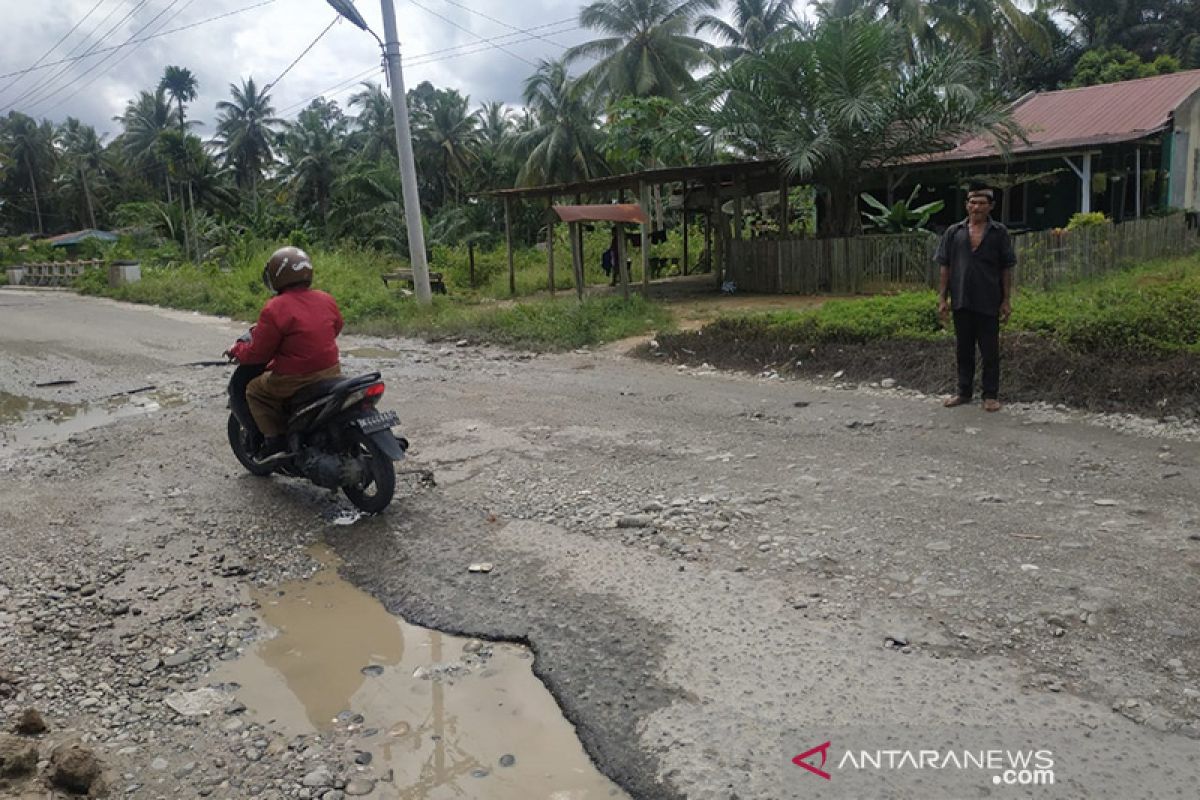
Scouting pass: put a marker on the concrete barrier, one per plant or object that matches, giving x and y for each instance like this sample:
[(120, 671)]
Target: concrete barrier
[(123, 272)]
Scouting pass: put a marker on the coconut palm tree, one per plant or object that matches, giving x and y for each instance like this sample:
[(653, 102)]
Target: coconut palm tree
[(445, 140), (181, 85), (495, 166), (314, 153), (82, 168), (995, 29), (647, 49), (145, 118), (837, 106), (564, 143), (375, 136), (30, 149), (754, 23), (246, 129)]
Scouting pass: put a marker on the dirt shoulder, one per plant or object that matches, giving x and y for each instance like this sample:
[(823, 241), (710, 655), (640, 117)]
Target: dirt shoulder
[(1034, 369)]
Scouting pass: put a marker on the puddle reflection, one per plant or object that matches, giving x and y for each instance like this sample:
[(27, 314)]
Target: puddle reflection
[(25, 420), (448, 716)]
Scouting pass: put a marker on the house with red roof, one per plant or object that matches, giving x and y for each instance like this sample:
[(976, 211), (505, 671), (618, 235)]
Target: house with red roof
[(1126, 149)]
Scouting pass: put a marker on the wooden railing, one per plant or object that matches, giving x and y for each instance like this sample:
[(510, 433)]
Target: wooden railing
[(54, 273), (865, 264)]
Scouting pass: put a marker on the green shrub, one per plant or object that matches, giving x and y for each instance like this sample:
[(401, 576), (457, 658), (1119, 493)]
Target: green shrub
[(1091, 219), (1150, 310)]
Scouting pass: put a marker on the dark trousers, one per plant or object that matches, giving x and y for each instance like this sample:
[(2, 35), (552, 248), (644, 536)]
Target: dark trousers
[(972, 329)]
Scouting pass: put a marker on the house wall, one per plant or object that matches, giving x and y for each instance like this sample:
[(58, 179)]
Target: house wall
[(1185, 156)]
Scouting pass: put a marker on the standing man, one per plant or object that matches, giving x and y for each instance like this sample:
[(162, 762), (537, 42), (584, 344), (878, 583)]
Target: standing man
[(977, 260)]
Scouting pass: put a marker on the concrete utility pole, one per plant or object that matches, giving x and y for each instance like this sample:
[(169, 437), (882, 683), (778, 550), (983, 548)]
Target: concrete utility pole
[(408, 167)]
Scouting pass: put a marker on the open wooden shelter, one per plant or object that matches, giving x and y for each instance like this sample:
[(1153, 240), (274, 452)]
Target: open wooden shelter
[(700, 191)]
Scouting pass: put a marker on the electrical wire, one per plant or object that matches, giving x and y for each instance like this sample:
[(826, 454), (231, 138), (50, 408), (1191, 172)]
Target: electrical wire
[(37, 88), (189, 26), (82, 43), (303, 53), (434, 56), (527, 31), (470, 32), (54, 46), (94, 75)]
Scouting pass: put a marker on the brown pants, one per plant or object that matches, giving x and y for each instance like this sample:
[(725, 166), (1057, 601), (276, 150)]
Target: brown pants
[(268, 394)]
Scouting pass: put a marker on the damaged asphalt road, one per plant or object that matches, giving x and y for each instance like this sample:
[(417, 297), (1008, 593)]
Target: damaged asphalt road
[(715, 572)]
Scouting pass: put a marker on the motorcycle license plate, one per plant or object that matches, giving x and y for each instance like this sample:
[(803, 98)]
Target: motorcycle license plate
[(377, 422)]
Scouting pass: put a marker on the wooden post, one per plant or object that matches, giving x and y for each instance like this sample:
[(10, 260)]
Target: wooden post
[(550, 251), (1137, 182), (785, 210), (508, 239), (685, 232), (708, 230), (471, 262), (718, 219), (644, 191), (619, 229), (576, 259)]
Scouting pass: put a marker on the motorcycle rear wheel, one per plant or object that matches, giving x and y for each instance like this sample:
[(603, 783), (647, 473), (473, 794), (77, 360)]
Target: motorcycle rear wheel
[(379, 486), (243, 449)]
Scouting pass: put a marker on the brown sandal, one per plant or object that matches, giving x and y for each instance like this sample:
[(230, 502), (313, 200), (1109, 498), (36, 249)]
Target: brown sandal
[(991, 404), (955, 400)]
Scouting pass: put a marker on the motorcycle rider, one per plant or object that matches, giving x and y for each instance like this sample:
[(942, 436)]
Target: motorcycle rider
[(295, 337)]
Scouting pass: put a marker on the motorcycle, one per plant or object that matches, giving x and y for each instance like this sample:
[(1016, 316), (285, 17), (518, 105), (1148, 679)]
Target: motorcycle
[(337, 438)]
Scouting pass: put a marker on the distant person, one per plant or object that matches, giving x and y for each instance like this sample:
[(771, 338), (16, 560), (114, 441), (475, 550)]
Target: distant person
[(295, 337), (977, 259), (608, 259)]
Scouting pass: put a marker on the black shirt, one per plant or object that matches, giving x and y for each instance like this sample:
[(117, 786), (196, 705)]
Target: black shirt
[(975, 275)]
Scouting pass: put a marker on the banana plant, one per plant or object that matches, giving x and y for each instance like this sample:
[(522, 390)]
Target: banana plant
[(901, 216)]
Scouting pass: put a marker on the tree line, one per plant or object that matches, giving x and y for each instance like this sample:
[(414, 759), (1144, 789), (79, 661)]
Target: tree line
[(855, 84)]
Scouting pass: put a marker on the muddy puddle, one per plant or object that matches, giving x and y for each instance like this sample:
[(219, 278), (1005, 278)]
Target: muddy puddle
[(444, 716), (27, 420)]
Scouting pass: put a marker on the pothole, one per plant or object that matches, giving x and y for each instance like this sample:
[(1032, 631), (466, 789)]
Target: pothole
[(27, 420), (442, 716)]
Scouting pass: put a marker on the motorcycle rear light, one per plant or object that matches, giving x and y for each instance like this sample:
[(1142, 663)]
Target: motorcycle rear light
[(374, 391)]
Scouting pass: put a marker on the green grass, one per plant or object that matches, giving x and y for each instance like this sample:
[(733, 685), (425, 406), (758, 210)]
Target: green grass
[(1153, 308), (352, 277)]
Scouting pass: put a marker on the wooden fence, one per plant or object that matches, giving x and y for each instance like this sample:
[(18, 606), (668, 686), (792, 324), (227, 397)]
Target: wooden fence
[(865, 264), (1048, 258)]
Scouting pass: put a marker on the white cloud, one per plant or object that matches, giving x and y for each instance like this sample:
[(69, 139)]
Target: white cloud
[(260, 42)]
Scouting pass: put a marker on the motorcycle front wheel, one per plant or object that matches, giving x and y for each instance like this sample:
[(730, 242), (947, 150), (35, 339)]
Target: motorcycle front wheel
[(244, 449), (379, 478)]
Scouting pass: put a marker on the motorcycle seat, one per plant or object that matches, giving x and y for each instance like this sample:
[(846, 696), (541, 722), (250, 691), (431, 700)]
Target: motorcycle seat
[(329, 386)]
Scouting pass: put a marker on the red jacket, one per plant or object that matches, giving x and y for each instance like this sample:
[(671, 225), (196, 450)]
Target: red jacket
[(295, 333)]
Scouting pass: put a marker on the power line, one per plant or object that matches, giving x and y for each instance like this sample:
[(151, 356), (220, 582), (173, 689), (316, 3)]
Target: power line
[(124, 55), (143, 39), (470, 32), (490, 18), (303, 53), (95, 76), (482, 46), (46, 81), (90, 52), (443, 54), (54, 46)]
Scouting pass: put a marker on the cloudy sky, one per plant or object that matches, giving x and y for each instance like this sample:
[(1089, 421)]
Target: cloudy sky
[(440, 41)]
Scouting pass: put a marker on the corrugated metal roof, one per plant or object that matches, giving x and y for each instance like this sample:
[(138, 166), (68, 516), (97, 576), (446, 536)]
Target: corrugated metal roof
[(1092, 115), (75, 237), (626, 212)]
